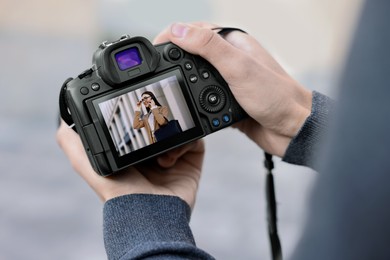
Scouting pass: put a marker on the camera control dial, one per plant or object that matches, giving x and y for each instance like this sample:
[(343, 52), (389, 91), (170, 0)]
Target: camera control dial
[(212, 99)]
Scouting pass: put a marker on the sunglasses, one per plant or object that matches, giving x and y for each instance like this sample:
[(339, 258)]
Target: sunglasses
[(145, 98)]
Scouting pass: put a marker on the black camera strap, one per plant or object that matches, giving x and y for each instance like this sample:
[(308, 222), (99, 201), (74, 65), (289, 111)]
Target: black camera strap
[(225, 30), (269, 185), (271, 209), (64, 111)]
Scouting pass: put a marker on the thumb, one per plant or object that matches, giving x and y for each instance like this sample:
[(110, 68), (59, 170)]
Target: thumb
[(170, 158), (204, 42)]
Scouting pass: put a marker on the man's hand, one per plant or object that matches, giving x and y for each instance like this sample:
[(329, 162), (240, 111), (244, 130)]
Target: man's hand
[(277, 104), (175, 173)]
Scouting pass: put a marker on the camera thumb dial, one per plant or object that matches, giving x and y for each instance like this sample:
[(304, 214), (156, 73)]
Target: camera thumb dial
[(212, 99)]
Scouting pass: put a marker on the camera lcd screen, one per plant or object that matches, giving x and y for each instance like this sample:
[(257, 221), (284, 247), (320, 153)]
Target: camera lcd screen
[(128, 58), (133, 117)]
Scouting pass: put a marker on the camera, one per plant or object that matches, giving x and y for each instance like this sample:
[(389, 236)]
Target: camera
[(139, 100)]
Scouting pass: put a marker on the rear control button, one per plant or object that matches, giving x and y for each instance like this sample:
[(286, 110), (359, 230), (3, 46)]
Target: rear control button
[(95, 86), (84, 91), (226, 118), (205, 74), (193, 78), (213, 99), (188, 66), (216, 122), (174, 54)]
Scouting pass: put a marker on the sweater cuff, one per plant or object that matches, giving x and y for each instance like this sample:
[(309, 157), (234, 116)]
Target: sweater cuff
[(305, 145), (133, 224)]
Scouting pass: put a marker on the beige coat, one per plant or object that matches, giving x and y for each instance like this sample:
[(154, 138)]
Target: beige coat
[(160, 118)]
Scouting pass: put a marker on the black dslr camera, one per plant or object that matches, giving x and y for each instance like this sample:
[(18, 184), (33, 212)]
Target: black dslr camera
[(139, 100)]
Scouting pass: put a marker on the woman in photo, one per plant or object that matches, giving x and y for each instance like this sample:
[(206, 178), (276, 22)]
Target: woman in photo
[(155, 117)]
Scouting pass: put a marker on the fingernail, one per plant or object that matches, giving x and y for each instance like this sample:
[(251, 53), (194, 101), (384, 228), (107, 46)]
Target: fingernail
[(179, 30)]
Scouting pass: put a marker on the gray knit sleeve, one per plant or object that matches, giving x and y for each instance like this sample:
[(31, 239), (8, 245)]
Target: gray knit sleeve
[(304, 147), (149, 226)]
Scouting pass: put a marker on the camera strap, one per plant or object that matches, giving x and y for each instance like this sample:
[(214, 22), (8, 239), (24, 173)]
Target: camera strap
[(64, 111), (269, 184), (226, 30), (271, 209)]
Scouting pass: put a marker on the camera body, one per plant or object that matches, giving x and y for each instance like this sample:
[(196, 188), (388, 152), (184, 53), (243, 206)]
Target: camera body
[(116, 128)]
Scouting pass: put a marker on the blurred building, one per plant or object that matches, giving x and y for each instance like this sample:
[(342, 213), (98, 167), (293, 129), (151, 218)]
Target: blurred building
[(118, 114)]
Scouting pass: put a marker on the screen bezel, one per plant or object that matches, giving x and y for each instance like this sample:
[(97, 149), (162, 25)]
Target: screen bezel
[(118, 161)]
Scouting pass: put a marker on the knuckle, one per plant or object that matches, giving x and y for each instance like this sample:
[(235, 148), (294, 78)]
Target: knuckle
[(206, 41)]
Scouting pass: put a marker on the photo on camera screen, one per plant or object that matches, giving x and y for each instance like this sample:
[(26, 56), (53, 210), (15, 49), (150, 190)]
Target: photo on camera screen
[(133, 118)]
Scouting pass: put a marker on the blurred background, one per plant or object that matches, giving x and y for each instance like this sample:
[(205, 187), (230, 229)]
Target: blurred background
[(48, 212)]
